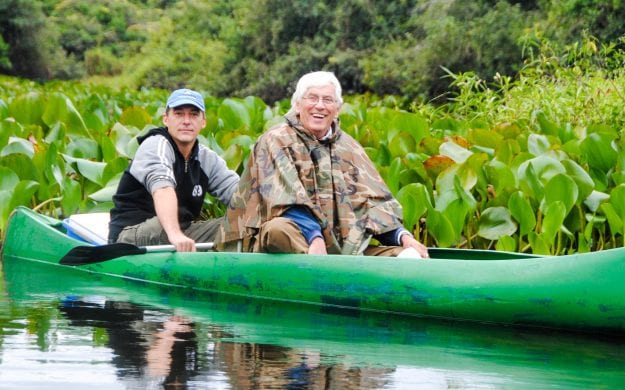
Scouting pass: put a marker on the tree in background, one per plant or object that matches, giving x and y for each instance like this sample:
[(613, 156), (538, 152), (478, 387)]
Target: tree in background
[(239, 48), (459, 37), (566, 21), (24, 51), (278, 40)]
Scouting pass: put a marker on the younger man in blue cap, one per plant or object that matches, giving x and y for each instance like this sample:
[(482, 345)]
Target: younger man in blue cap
[(161, 193)]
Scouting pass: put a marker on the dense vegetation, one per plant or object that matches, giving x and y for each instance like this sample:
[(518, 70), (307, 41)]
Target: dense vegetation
[(238, 48), (533, 164), (495, 126)]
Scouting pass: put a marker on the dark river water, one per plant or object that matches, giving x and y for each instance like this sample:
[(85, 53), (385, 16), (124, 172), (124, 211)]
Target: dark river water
[(65, 329)]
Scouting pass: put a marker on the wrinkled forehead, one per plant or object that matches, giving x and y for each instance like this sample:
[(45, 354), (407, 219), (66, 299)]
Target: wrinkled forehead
[(324, 90)]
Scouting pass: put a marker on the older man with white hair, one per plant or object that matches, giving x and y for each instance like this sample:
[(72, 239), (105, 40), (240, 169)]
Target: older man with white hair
[(311, 188)]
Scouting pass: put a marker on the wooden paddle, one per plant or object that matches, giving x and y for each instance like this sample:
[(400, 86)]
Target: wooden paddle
[(89, 254)]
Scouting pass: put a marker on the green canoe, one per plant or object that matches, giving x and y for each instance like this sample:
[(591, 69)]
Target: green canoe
[(582, 292)]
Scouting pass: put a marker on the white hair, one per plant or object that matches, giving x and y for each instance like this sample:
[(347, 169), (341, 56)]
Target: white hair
[(315, 79)]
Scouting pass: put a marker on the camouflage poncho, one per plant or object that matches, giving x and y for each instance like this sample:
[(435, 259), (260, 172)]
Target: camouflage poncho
[(334, 178)]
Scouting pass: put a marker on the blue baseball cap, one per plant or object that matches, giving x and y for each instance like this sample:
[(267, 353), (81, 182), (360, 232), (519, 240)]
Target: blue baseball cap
[(180, 97)]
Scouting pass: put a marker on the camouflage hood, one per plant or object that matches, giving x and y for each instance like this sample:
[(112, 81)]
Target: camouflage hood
[(334, 178)]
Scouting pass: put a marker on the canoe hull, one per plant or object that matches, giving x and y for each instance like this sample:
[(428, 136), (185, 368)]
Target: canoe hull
[(583, 292)]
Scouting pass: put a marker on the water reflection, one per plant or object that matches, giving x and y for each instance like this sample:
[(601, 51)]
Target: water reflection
[(152, 346), (158, 345), (65, 328), (260, 366)]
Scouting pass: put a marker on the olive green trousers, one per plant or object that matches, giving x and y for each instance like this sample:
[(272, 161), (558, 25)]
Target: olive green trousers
[(150, 232), (282, 235)]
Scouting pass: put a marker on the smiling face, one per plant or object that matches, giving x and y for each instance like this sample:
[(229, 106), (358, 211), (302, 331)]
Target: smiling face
[(184, 124), (317, 109)]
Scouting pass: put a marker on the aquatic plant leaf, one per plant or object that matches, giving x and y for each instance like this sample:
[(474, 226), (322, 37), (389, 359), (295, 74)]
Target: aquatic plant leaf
[(380, 120), (456, 213), (508, 130), (455, 152), (440, 228), (59, 108), (107, 148), (448, 124), (8, 179), (233, 156), (539, 244), (18, 145), (22, 165), (415, 202), (499, 175), (97, 120), (23, 193), (546, 126), (91, 170), (496, 222), (545, 167), (402, 144), (106, 193), (234, 115), (595, 199), (27, 109), (411, 123), (485, 138), (436, 164), (72, 196), (393, 174), (521, 209), (538, 144), (506, 243), (533, 174), (53, 167), (584, 182), (617, 198), (373, 154), (369, 137), (597, 149), (614, 209), (454, 182), (135, 116), (614, 220), (56, 134), (464, 194), (5, 206), (553, 220), (4, 110), (124, 140), (113, 168), (83, 148), (6, 132), (562, 188)]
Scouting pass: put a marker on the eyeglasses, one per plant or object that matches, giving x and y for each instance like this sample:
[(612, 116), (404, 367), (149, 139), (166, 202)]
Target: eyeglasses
[(313, 100)]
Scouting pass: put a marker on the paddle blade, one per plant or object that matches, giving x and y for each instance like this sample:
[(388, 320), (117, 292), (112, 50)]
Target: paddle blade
[(81, 255)]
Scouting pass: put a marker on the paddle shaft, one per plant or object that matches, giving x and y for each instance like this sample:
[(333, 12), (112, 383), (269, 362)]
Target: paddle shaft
[(200, 246)]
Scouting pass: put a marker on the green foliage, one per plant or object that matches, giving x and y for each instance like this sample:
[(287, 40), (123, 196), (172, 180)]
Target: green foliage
[(176, 68), (572, 18), (532, 164), (5, 60), (239, 48), (100, 61)]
